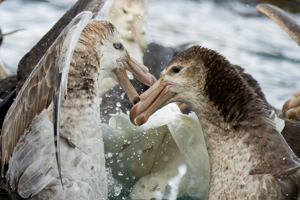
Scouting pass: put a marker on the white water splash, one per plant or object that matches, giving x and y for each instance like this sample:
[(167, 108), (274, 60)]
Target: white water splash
[(175, 181)]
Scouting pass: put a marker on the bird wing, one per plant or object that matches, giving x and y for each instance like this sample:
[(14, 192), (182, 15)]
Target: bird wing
[(46, 83), (282, 18), (33, 171)]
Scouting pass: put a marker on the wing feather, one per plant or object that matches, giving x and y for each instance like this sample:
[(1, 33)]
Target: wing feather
[(283, 19), (41, 87)]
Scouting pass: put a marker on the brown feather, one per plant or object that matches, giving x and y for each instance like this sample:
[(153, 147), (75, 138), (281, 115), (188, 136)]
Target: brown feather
[(243, 143), (27, 104)]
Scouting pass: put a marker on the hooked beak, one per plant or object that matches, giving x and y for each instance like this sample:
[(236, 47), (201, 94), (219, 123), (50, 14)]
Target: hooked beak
[(150, 101), (139, 71), (127, 86), (294, 104)]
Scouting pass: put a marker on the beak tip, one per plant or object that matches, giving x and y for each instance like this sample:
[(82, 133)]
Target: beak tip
[(132, 114), (136, 119), (140, 120), (292, 114), (153, 80), (285, 106), (136, 100)]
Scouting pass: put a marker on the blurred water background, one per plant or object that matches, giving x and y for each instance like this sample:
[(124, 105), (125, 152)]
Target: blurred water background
[(233, 28)]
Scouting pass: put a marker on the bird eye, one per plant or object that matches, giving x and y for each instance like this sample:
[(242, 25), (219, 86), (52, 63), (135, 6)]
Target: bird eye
[(176, 69), (118, 45)]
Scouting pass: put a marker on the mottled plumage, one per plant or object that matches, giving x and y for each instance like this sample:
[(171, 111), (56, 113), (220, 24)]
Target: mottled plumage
[(249, 158), (37, 94), (62, 96), (30, 59)]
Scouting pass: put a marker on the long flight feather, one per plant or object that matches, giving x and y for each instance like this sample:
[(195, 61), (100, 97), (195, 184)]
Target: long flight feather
[(63, 63)]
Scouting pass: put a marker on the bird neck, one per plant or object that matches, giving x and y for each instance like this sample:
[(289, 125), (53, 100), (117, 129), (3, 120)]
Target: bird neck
[(240, 153), (230, 111), (241, 139), (83, 73), (80, 113), (235, 123), (250, 145)]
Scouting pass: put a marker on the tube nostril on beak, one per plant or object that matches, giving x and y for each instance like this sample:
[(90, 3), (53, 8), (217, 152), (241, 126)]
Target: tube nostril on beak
[(136, 100)]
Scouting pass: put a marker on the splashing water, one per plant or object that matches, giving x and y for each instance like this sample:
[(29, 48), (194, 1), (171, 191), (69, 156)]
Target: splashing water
[(175, 181)]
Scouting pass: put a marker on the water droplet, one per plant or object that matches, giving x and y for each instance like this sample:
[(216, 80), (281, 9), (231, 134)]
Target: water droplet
[(165, 158), (118, 104), (140, 151), (120, 174), (109, 154), (130, 76), (122, 95), (117, 190)]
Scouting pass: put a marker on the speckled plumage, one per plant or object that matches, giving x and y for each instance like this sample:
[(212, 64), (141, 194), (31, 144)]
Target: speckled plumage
[(249, 158), (32, 168), (242, 141), (27, 137)]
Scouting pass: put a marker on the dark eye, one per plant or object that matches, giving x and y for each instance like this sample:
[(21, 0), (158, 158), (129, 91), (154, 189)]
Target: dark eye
[(176, 69), (118, 45), (124, 11)]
